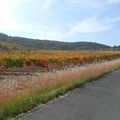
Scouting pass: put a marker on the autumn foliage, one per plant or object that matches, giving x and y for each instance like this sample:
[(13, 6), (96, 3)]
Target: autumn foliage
[(53, 59)]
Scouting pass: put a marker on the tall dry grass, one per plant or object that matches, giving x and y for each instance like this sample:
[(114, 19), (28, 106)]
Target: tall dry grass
[(23, 95)]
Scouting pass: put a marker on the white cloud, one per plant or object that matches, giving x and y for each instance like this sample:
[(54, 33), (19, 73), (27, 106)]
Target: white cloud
[(48, 3), (87, 3), (94, 25), (113, 1), (6, 14), (93, 3), (42, 3), (91, 25), (6, 7), (113, 20), (7, 20)]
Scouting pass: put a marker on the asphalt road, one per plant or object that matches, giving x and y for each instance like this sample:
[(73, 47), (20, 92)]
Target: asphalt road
[(97, 100)]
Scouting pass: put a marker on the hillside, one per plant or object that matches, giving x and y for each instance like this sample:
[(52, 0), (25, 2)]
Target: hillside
[(20, 43)]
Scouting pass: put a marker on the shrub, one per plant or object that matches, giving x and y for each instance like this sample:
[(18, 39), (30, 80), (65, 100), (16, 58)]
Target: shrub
[(8, 63)]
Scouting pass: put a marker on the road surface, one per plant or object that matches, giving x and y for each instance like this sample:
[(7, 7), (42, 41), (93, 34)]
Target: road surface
[(96, 100)]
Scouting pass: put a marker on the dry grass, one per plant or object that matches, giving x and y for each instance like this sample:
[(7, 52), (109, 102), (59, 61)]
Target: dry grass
[(23, 94)]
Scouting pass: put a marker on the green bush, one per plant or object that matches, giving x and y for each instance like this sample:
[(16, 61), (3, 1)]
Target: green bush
[(8, 63)]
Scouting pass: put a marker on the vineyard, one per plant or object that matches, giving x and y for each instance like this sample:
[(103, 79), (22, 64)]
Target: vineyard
[(48, 60)]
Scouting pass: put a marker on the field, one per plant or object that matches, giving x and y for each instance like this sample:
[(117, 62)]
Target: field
[(46, 61), (31, 78)]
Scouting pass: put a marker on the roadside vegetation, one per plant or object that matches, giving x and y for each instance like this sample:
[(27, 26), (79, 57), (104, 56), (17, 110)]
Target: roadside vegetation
[(19, 96)]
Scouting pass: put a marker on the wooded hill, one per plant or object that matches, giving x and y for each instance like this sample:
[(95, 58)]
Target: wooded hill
[(21, 43)]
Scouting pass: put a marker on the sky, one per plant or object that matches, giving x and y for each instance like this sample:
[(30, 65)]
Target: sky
[(62, 20)]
